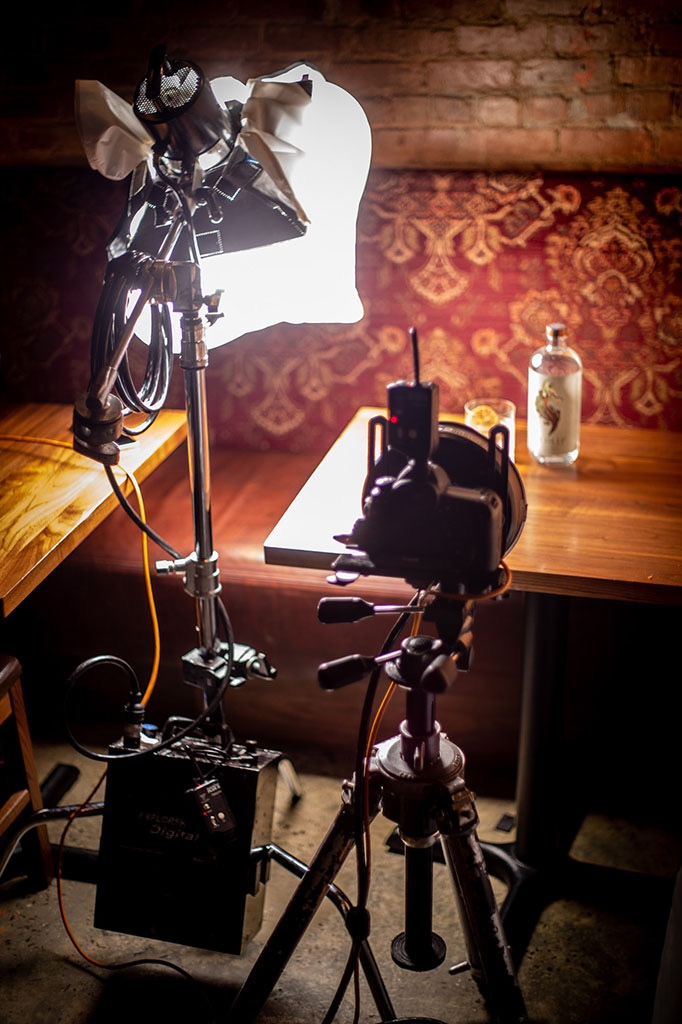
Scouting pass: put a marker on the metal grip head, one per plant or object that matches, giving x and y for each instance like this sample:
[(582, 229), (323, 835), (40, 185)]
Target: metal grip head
[(178, 107)]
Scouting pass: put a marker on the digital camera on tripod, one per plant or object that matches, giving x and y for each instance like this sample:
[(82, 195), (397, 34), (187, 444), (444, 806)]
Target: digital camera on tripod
[(440, 503), (441, 507)]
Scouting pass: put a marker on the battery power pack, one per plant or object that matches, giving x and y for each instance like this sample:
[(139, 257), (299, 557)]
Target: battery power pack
[(178, 827)]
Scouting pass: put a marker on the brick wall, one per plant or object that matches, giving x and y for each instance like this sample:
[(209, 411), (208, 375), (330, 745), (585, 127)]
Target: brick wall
[(575, 85)]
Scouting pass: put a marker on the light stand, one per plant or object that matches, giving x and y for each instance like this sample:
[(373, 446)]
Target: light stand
[(238, 185), (207, 665), (98, 425), (198, 199)]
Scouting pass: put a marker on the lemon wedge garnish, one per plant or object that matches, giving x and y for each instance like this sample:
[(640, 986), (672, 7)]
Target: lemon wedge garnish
[(483, 418)]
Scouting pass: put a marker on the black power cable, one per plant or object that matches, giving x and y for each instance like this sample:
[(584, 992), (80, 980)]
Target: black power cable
[(131, 708), (139, 522), (121, 280), (358, 918)]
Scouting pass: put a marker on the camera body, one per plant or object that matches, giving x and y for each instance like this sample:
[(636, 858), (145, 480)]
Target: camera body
[(441, 503), (419, 526)]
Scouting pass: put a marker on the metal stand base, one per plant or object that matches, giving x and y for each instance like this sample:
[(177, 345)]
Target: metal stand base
[(426, 802)]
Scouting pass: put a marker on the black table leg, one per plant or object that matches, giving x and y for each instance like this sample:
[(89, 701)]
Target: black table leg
[(537, 867), (540, 778)]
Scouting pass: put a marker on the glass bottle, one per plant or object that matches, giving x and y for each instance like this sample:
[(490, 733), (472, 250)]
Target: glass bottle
[(555, 377)]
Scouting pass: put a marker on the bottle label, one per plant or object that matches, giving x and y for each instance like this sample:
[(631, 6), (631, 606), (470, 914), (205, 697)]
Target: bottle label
[(553, 413)]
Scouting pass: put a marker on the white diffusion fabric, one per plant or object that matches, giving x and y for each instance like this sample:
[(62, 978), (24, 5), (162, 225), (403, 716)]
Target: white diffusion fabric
[(325, 155), (315, 153)]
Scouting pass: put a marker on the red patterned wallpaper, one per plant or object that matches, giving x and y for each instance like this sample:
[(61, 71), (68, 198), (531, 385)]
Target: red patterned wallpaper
[(479, 263)]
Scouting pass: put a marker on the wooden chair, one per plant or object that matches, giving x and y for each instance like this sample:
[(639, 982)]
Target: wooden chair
[(20, 794)]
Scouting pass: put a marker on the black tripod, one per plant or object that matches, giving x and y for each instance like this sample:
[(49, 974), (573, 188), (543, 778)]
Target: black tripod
[(416, 780)]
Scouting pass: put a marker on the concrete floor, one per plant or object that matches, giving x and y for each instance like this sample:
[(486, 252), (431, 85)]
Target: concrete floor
[(586, 962)]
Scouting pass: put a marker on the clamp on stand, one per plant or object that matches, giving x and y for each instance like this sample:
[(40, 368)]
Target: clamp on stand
[(416, 780), (98, 429)]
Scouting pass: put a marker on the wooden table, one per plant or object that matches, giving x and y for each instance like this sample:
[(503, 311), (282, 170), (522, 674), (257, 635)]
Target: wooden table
[(608, 527), (51, 498)]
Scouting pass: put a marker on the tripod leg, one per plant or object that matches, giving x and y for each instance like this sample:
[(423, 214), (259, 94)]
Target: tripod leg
[(298, 914), (487, 949), (336, 896)]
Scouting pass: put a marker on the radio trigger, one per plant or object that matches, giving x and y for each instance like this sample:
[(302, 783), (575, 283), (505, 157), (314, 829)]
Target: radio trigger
[(215, 810)]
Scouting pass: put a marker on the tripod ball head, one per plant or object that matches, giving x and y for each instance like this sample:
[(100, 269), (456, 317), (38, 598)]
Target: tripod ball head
[(423, 664)]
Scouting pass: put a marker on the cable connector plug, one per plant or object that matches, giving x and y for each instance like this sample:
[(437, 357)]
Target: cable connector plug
[(133, 717)]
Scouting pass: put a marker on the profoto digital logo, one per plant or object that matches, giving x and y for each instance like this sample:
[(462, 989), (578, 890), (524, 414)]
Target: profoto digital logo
[(167, 827)]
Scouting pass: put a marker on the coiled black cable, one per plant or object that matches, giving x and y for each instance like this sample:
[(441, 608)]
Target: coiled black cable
[(193, 724), (121, 280)]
